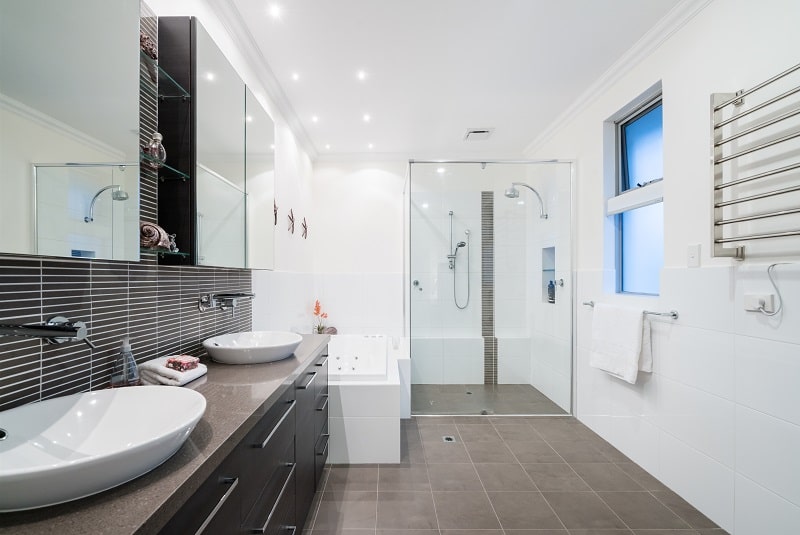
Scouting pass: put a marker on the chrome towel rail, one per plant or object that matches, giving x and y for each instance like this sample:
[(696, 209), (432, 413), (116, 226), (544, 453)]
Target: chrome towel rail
[(672, 313), (755, 147)]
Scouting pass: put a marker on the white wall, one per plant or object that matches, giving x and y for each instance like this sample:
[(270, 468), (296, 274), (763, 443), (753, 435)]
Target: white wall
[(717, 421)]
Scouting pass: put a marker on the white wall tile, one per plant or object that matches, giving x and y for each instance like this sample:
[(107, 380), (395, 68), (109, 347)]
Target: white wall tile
[(761, 512), (427, 368), (699, 479), (514, 370), (701, 420), (767, 452), (753, 279), (767, 377), (462, 369), (703, 297)]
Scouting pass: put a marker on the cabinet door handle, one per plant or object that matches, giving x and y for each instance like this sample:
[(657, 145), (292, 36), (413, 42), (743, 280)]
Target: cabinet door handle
[(233, 482), (305, 386), (324, 404), (277, 426), (322, 362), (293, 529), (263, 529), (326, 436)]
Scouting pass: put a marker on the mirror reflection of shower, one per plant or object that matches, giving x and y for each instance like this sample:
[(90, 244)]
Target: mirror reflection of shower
[(513, 193), (452, 258), (118, 194)]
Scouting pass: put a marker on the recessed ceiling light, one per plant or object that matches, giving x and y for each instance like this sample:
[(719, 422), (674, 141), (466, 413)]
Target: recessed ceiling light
[(367, 118), (314, 119), (210, 76), (370, 146), (361, 75), (275, 11), (424, 205), (295, 76), (272, 146), (249, 118), (440, 170), (328, 146)]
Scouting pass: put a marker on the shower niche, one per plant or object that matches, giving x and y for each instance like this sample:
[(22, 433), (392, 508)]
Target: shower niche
[(549, 275)]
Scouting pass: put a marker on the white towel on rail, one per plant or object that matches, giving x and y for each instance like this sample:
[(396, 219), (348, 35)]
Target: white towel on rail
[(617, 335)]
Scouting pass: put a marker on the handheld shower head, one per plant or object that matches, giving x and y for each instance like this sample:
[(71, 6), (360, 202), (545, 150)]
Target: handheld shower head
[(461, 244), (117, 194)]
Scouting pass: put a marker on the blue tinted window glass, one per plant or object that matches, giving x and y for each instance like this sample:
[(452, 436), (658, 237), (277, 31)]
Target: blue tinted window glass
[(642, 248), (642, 154)]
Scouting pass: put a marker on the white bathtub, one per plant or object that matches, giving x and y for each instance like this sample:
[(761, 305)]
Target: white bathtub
[(369, 377)]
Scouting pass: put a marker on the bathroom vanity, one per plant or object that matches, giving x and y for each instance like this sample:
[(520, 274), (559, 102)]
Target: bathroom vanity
[(252, 464)]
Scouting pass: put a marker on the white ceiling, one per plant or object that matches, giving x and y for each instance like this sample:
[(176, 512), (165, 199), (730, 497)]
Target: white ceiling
[(438, 67)]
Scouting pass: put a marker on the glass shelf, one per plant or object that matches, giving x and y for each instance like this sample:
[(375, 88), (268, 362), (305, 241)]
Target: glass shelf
[(168, 88), (163, 252), (165, 172)]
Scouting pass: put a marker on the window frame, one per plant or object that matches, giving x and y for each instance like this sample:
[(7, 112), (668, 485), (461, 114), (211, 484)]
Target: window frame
[(635, 196)]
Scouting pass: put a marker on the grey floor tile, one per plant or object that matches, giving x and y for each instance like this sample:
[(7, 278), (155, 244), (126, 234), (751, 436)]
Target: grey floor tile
[(489, 452), (442, 452), (665, 532), (605, 476), (343, 531), (641, 476), (352, 478), (406, 510), (411, 451), (505, 477), (464, 510), (611, 453), (536, 532), (432, 420), (523, 510), (555, 477), (472, 420), (473, 532), (603, 532), (583, 510), (533, 451), (454, 477), (407, 532), (434, 433), (519, 431), (407, 477), (684, 509), (558, 429), (346, 509), (478, 433), (640, 510), (578, 451)]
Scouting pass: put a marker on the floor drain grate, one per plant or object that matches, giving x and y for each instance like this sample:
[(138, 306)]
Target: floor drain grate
[(448, 438)]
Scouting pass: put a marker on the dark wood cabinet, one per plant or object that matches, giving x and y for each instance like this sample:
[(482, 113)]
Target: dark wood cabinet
[(267, 483)]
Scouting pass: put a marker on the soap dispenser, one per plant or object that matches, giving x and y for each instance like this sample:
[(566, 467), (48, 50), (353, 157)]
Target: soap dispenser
[(125, 372)]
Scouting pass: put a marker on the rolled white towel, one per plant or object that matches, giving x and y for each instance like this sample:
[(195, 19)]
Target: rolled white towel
[(155, 372)]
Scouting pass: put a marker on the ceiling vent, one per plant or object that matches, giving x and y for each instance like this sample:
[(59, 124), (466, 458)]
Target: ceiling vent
[(478, 134)]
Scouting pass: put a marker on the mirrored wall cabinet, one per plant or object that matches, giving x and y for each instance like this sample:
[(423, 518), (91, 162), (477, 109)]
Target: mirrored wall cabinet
[(220, 144)]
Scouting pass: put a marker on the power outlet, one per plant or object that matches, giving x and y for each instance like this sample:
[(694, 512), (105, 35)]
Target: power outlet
[(753, 302)]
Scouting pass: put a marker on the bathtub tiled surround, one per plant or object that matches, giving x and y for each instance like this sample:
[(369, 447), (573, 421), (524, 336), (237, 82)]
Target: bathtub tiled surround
[(155, 305)]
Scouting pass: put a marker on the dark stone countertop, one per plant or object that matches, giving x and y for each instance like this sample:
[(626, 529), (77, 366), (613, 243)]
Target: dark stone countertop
[(237, 396)]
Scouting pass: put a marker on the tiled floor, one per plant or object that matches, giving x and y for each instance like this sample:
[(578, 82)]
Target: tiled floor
[(501, 476), (480, 399)]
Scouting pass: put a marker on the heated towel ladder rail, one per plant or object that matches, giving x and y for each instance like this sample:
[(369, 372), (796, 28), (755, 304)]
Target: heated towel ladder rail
[(756, 165)]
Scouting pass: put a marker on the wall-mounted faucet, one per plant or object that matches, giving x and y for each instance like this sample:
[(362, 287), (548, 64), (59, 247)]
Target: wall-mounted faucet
[(222, 301), (56, 330)]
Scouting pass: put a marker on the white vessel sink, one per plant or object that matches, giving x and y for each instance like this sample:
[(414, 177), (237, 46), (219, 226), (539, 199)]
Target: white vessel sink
[(252, 347), (66, 448)]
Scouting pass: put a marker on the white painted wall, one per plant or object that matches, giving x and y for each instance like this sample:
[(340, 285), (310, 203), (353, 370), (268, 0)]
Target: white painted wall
[(717, 421)]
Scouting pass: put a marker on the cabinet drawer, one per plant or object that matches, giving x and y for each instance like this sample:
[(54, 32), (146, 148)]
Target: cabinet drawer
[(214, 508), (321, 414), (266, 450), (321, 367), (276, 514)]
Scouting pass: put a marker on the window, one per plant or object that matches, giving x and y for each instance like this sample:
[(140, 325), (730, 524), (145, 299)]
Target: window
[(638, 204)]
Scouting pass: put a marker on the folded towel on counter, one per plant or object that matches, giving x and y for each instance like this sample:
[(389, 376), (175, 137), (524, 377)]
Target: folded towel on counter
[(617, 346), (152, 236), (155, 372)]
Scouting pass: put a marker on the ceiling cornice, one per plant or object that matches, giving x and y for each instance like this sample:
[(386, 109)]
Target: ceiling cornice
[(673, 21), (232, 21)]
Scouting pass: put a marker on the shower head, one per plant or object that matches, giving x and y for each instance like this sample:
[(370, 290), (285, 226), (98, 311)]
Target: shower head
[(513, 193), (117, 194), (461, 244)]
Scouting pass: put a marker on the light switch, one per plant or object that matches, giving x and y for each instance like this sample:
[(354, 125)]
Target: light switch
[(693, 255)]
